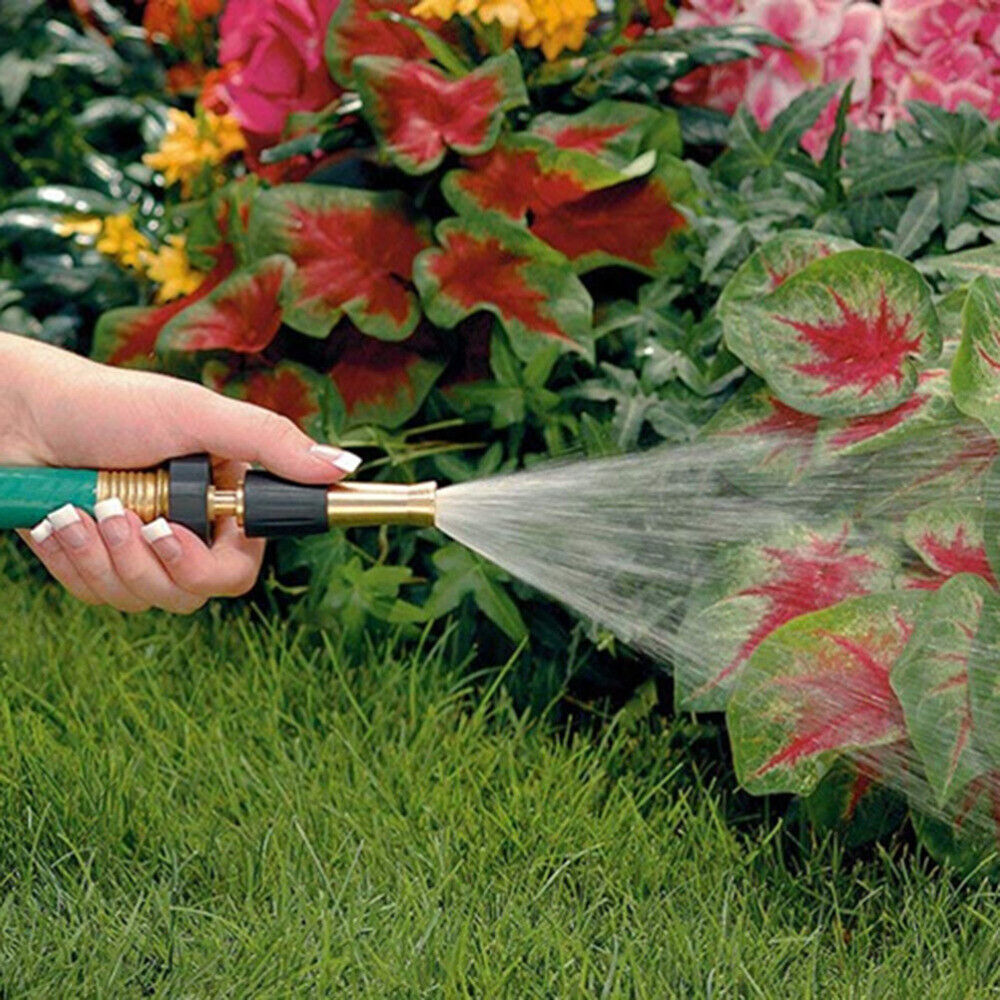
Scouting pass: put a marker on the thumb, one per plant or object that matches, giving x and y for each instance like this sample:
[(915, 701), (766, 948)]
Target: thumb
[(244, 432)]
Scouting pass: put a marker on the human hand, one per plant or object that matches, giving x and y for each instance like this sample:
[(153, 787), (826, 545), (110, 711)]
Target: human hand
[(59, 409)]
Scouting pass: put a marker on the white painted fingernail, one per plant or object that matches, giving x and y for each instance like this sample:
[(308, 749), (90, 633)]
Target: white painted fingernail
[(41, 531), (112, 507), (346, 461), (64, 517), (156, 531)]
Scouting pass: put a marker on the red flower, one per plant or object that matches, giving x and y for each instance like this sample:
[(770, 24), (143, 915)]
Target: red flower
[(274, 63)]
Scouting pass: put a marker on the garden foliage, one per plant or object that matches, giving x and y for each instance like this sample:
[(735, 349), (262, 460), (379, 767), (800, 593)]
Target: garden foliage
[(465, 255)]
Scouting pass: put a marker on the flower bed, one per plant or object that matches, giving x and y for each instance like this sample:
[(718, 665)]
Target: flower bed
[(469, 236)]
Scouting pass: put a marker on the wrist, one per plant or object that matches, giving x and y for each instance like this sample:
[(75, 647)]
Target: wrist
[(15, 416)]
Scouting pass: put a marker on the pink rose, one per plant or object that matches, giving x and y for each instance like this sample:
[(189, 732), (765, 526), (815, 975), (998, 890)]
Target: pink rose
[(276, 48)]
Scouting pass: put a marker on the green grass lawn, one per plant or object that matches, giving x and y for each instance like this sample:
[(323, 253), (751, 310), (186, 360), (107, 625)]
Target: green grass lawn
[(223, 807)]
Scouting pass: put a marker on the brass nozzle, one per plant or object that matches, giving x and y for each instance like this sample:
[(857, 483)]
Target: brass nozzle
[(358, 505)]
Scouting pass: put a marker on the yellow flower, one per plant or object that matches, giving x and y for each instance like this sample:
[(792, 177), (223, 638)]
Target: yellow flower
[(170, 268), (562, 24), (193, 143), (78, 225), (121, 240), (552, 25)]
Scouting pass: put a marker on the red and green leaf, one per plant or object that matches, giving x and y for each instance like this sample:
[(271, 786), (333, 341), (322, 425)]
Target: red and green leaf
[(635, 224), (288, 388), (127, 337), (418, 113), (355, 30), (949, 462), (354, 254), (242, 313), (846, 335), (975, 374), (928, 408), (948, 537), (984, 680), (819, 688), (931, 680), (772, 265), (968, 832), (588, 211), (486, 264), (755, 589), (854, 799), (616, 132), (384, 383), (780, 441)]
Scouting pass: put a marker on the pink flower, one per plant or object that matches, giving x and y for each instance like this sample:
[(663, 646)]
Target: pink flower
[(943, 51), (276, 52)]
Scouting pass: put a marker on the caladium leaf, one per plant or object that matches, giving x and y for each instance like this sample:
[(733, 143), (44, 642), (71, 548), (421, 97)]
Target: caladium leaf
[(772, 265), (755, 589), (948, 536), (240, 314), (384, 383), (616, 132), (288, 388), (486, 264), (353, 251), (984, 680), (931, 680), (818, 688), (127, 337), (756, 415), (853, 799), (634, 224), (592, 213), (975, 374), (951, 461), (965, 834), (418, 113), (927, 409), (355, 30), (846, 335)]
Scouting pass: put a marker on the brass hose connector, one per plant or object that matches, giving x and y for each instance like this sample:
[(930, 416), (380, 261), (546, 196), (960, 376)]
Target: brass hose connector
[(147, 493)]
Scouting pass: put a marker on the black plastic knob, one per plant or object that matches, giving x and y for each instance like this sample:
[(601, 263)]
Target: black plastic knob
[(190, 479), (275, 507)]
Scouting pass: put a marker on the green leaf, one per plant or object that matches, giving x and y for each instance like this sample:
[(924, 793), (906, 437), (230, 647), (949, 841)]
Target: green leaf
[(921, 218), (462, 574), (965, 265)]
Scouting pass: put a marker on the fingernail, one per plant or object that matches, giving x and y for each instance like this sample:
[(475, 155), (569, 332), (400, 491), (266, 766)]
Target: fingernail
[(66, 521), (42, 531), (111, 520), (161, 537), (346, 461)]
